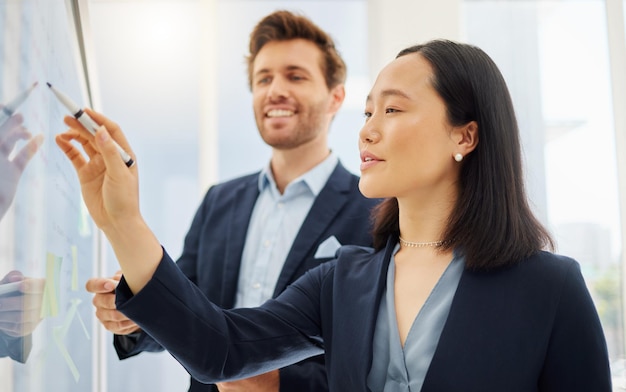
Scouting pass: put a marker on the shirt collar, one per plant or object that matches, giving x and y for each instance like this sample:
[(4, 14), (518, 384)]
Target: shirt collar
[(315, 178)]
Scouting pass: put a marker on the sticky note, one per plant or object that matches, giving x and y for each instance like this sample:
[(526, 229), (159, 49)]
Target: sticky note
[(60, 332), (84, 221), (50, 304)]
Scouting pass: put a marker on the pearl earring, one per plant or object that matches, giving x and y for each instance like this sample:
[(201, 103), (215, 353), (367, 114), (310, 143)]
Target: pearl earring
[(458, 157)]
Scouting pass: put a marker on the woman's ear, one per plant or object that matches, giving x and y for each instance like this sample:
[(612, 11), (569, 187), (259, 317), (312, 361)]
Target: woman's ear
[(465, 137)]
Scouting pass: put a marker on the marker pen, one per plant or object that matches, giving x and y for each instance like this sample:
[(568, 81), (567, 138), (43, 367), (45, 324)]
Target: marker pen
[(10, 108), (87, 121), (6, 288)]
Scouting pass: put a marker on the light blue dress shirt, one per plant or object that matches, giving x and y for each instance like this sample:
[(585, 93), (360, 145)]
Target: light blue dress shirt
[(402, 369), (274, 224)]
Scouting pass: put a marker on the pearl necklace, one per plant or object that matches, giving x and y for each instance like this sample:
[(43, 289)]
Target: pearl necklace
[(419, 244)]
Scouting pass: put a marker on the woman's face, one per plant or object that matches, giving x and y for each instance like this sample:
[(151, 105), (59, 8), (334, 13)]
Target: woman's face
[(407, 144)]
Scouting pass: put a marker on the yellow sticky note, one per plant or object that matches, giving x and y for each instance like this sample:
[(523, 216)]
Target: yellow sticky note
[(60, 333), (50, 304), (84, 221), (57, 333)]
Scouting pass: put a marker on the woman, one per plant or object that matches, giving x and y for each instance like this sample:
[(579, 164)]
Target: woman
[(458, 294)]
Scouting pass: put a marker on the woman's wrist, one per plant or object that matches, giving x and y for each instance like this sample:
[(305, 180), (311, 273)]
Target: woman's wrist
[(137, 249)]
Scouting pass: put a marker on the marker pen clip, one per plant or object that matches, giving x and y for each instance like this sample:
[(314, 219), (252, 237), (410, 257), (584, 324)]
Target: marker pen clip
[(7, 111), (87, 121)]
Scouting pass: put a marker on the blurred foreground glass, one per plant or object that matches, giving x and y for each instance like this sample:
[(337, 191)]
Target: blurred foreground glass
[(46, 237)]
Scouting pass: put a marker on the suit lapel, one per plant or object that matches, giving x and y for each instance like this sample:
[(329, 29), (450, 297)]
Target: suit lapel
[(356, 304), (241, 211), (327, 205)]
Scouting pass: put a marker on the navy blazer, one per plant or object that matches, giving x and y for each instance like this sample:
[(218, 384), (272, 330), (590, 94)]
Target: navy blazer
[(17, 348), (530, 327), (214, 245)]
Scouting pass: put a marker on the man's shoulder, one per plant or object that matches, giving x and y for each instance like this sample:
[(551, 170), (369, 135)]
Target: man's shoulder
[(230, 190), (342, 180), (233, 184), (342, 172), (237, 181)]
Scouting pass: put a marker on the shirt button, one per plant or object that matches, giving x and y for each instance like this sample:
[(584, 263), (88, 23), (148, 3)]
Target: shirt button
[(267, 243), (256, 285)]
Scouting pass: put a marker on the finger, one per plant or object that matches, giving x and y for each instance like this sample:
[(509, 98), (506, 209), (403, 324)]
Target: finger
[(76, 125), (116, 322), (15, 120), (29, 327), (116, 168), (22, 158), (14, 134), (32, 302), (8, 141), (114, 316), (77, 159), (86, 141), (118, 275), (112, 127), (101, 285), (10, 316), (34, 285), (20, 303), (12, 276), (104, 301), (8, 304), (132, 327), (114, 130), (121, 328), (27, 316), (79, 129)]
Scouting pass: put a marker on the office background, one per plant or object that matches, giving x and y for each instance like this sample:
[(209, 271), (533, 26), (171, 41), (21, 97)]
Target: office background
[(172, 74)]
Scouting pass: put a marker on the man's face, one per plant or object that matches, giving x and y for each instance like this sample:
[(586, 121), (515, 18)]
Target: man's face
[(292, 104)]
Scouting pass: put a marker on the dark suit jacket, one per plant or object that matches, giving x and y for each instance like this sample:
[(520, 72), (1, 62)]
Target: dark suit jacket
[(18, 348), (530, 327), (214, 245)]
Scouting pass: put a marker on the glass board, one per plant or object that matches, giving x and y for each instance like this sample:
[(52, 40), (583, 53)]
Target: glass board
[(46, 236)]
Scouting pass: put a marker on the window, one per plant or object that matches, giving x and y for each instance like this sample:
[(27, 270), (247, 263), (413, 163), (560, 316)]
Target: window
[(555, 58)]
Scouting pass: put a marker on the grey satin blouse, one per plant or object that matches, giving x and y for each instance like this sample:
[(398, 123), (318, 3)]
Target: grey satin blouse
[(398, 369)]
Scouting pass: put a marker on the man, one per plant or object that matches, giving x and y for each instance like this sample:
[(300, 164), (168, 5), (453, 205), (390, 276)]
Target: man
[(254, 235)]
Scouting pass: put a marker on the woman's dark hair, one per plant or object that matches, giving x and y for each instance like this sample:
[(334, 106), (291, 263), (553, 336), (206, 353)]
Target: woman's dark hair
[(284, 26), (491, 223)]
